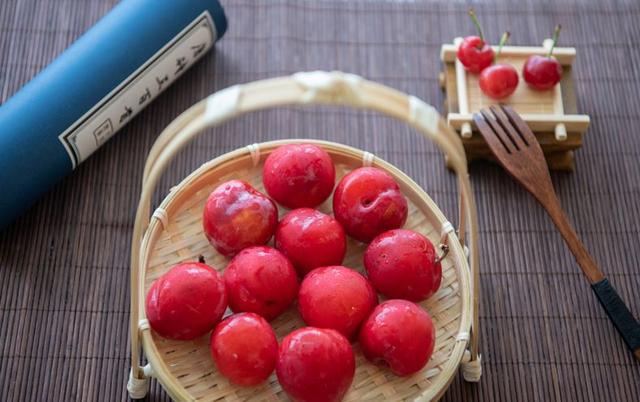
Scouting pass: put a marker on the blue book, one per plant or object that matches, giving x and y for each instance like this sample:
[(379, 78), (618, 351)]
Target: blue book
[(96, 87)]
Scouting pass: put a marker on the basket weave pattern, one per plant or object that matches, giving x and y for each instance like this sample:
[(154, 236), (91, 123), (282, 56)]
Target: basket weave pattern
[(190, 361), (174, 234)]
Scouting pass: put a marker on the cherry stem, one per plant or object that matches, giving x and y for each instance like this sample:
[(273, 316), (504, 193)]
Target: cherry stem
[(445, 251), (554, 40), (503, 40), (201, 259), (474, 19)]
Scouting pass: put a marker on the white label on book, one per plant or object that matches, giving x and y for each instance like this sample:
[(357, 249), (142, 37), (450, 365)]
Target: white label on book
[(116, 109)]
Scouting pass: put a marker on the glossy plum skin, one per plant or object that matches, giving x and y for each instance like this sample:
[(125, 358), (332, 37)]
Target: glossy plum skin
[(474, 54), (299, 175), (186, 302), (398, 334), (244, 348), (337, 298), (368, 202), (499, 81), (541, 72), (237, 216), (260, 280), (311, 239), (315, 365), (401, 264)]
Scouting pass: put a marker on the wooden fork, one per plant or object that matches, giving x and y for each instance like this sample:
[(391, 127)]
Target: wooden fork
[(517, 149)]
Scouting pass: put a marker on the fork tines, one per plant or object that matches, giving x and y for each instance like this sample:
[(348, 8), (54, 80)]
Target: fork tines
[(502, 125)]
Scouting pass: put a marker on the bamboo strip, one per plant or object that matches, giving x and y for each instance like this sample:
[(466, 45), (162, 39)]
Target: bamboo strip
[(565, 55)]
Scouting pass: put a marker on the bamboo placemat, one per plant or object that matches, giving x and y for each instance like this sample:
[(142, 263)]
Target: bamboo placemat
[(64, 265)]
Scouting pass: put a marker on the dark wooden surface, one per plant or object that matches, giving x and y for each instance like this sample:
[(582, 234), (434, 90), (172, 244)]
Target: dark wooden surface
[(64, 265)]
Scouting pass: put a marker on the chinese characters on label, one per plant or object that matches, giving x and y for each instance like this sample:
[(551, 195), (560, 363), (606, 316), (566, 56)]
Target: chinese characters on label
[(145, 97), (118, 107), (181, 63), (161, 81), (127, 113), (198, 49)]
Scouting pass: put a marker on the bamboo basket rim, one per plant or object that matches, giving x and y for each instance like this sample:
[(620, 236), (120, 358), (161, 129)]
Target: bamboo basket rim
[(162, 372), (316, 87)]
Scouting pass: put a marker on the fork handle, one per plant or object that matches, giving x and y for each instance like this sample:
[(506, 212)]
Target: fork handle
[(616, 309), (619, 313)]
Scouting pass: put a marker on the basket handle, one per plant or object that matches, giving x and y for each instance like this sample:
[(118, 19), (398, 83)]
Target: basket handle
[(302, 88)]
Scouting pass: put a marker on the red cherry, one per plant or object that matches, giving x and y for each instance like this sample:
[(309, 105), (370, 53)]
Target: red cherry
[(236, 216), (299, 175), (186, 302), (542, 72), (260, 280), (336, 297), (367, 202), (499, 81), (315, 365), (400, 335), (474, 54), (401, 264), (244, 348), (310, 239)]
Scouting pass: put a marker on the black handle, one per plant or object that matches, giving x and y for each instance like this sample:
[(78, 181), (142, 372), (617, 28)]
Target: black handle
[(619, 314)]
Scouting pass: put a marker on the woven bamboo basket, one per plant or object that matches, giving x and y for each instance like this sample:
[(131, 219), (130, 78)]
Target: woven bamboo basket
[(173, 233)]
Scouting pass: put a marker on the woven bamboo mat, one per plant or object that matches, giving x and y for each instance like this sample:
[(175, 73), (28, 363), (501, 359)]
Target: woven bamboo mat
[(64, 265)]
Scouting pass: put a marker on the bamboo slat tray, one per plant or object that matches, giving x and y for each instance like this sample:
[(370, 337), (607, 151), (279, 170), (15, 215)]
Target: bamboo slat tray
[(173, 233), (552, 115)]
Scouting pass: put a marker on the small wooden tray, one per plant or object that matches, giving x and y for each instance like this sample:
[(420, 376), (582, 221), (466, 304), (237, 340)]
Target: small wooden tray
[(552, 115)]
